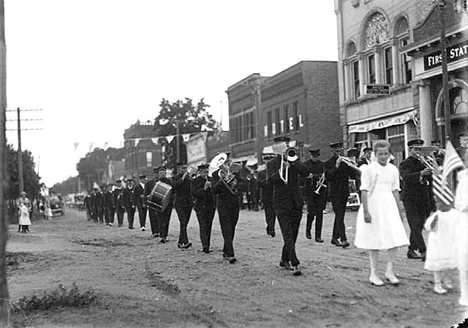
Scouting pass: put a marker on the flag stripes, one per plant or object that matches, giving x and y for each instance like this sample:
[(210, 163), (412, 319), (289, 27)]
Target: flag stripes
[(442, 190), (451, 161)]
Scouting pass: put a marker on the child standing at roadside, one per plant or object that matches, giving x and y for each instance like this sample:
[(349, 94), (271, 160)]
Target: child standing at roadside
[(379, 225), (24, 220), (441, 248)]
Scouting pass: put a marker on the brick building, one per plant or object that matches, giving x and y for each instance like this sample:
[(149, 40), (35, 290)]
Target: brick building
[(382, 46), (300, 102)]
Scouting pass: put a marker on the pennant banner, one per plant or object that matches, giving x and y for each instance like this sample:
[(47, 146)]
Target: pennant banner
[(186, 137)]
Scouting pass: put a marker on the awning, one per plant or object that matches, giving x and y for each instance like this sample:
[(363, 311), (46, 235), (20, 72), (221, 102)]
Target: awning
[(383, 123)]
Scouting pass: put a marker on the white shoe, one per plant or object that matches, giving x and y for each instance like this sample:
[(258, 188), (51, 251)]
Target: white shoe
[(439, 289), (448, 284), (376, 281), (392, 278), (110, 224), (143, 229)]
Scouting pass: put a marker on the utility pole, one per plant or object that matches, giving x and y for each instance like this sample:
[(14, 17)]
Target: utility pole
[(4, 295), (443, 46), (20, 154)]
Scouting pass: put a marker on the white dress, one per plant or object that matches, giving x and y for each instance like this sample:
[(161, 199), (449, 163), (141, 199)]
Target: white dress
[(386, 229), (24, 215), (441, 244), (461, 205)]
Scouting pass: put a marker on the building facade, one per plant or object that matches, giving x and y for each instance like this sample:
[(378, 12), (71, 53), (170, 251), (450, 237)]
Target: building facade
[(300, 102), (387, 91)]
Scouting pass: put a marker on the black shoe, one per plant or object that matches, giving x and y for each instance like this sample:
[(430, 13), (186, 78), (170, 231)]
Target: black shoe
[(423, 256), (336, 242), (285, 264), (345, 244), (225, 256), (413, 255), (131, 228), (232, 260), (296, 270), (163, 240), (157, 234), (308, 235), (319, 240), (206, 250)]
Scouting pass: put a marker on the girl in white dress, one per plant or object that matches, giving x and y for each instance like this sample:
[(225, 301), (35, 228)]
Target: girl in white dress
[(379, 225), (441, 248), (24, 220)]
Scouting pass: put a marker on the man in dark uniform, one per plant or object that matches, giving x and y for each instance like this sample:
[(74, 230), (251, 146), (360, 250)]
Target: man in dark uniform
[(461, 150), (129, 201), (227, 201), (164, 217), (417, 197), (140, 201), (108, 202), (337, 174), (97, 204), (183, 202), (118, 202), (204, 205), (315, 195), (287, 199), (366, 158), (266, 191), (88, 205), (149, 185)]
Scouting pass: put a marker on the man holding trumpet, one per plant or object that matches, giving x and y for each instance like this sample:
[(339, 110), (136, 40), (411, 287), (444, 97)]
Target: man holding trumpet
[(315, 192), (283, 171), (338, 171)]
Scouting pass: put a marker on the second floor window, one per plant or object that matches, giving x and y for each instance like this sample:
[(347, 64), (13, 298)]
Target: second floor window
[(388, 65), (371, 69), (355, 77), (286, 119)]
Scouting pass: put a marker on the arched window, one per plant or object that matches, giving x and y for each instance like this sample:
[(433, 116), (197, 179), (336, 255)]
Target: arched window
[(353, 70), (459, 100), (402, 39), (376, 31)]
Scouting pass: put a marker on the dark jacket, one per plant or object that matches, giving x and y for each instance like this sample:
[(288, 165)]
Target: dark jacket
[(182, 191), (317, 168), (129, 199), (286, 196), (203, 198), (338, 177), (140, 195), (414, 189), (266, 188), (223, 195)]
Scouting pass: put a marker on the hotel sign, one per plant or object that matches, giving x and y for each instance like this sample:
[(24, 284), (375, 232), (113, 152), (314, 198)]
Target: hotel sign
[(454, 53)]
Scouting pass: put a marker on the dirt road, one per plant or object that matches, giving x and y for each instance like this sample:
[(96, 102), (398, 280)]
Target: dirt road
[(142, 283)]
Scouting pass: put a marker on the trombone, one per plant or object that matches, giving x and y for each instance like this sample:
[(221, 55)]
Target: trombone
[(351, 163), (289, 156)]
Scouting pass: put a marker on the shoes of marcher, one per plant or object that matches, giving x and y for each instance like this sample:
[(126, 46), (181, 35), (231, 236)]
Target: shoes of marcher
[(232, 260), (271, 233), (296, 270), (336, 242), (206, 250), (439, 289), (319, 240), (412, 255), (285, 264), (308, 235), (163, 240), (390, 276), (184, 246), (225, 256), (143, 229), (345, 244), (157, 234), (423, 256), (131, 228), (376, 281)]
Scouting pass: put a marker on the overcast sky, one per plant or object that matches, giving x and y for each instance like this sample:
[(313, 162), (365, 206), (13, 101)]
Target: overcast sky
[(94, 67)]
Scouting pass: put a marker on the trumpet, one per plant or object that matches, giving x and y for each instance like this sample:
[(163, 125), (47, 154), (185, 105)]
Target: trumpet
[(351, 163), (320, 184)]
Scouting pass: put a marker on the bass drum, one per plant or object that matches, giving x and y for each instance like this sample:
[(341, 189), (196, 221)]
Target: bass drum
[(160, 196)]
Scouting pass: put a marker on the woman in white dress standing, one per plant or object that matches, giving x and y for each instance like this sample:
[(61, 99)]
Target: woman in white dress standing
[(379, 223)]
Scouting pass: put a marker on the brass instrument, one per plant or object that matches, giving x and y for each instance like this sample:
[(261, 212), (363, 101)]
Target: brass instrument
[(351, 163), (320, 184), (290, 155), (225, 172)]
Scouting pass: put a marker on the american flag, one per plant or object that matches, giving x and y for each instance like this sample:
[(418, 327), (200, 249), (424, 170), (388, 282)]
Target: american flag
[(451, 161)]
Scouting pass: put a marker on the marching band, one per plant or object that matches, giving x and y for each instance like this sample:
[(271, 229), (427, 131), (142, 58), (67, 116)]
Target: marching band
[(285, 186)]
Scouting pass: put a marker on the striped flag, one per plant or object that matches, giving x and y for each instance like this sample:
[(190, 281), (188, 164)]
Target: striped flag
[(451, 161), (441, 190)]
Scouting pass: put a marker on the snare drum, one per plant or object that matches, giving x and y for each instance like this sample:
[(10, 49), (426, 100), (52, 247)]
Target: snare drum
[(160, 196)]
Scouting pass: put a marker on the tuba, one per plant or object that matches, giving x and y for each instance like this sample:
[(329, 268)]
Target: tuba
[(225, 173)]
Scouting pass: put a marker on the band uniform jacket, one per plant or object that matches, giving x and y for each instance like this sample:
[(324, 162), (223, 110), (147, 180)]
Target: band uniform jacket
[(129, 199), (414, 189), (140, 195), (182, 191), (203, 198), (317, 168), (223, 195), (286, 196), (118, 200), (338, 177), (266, 188), (97, 202)]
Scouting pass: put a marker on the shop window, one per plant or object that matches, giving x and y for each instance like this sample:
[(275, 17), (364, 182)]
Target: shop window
[(402, 35)]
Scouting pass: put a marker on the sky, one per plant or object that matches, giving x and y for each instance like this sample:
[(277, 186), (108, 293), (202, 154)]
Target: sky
[(83, 71)]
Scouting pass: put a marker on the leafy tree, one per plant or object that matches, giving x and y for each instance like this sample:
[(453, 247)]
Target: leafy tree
[(182, 117)]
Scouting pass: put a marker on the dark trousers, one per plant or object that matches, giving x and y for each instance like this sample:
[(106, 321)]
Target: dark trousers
[(183, 212), (106, 215), (154, 221), (131, 216), (205, 217), (270, 216), (120, 217), (416, 217), (339, 207), (111, 214), (163, 221), (142, 216), (315, 209), (289, 221), (228, 217)]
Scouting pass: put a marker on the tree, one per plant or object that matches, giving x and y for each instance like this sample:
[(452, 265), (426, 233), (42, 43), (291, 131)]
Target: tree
[(182, 117)]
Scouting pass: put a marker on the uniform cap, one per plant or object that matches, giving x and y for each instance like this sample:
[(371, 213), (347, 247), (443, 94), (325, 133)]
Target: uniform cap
[(142, 176), (282, 139), (336, 145), (415, 142), (366, 149), (314, 150), (203, 166)]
